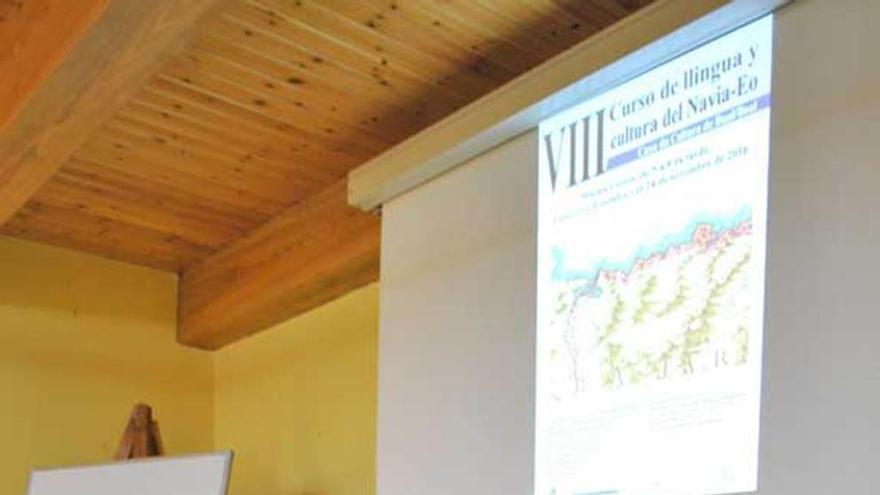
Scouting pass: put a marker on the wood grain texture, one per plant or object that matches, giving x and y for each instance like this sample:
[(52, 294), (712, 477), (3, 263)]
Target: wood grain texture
[(559, 83), (34, 37), (111, 61), (217, 146), (272, 102), (307, 256)]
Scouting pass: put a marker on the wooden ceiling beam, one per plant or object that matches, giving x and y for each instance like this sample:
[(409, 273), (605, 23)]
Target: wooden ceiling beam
[(115, 240), (110, 62), (311, 254), (34, 37)]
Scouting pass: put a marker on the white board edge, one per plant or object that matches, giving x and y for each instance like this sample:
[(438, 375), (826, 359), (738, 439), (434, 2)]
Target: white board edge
[(227, 454)]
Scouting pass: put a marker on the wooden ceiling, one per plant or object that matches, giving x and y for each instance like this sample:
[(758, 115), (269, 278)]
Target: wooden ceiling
[(270, 105)]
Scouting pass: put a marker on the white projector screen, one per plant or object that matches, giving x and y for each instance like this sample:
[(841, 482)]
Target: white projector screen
[(191, 475), (652, 237)]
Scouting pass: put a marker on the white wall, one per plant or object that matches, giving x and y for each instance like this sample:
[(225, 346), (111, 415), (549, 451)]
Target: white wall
[(822, 340), (456, 365), (456, 339)]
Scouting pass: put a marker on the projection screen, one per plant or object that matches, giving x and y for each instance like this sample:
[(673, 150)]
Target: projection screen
[(652, 234)]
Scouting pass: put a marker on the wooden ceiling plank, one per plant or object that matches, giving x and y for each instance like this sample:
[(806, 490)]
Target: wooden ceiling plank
[(261, 127), (189, 132), (150, 214), (546, 29), (323, 110), (244, 114), (330, 134), (250, 155), (120, 182), (213, 109), (285, 152), (126, 45), (245, 170), (481, 35), (289, 61), (388, 61), (222, 91), (296, 65), (303, 72), (143, 118), (71, 229), (521, 37), (137, 197), (108, 155), (179, 161), (555, 25), (567, 14), (303, 258), (401, 21), (180, 184), (255, 21), (614, 9), (182, 117), (312, 18), (330, 100)]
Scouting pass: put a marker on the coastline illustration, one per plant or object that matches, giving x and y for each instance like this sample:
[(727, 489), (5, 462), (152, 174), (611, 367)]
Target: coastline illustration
[(675, 309)]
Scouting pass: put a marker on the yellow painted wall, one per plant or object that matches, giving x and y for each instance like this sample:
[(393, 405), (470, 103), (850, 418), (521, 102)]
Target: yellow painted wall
[(81, 340), (298, 402)]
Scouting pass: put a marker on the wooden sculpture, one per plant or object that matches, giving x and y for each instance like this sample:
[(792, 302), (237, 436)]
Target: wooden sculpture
[(141, 437)]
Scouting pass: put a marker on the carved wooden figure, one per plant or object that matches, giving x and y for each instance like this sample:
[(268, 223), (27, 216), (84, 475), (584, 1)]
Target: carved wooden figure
[(141, 437)]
